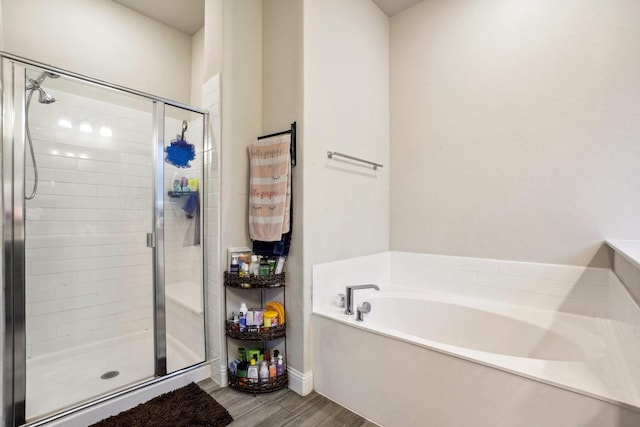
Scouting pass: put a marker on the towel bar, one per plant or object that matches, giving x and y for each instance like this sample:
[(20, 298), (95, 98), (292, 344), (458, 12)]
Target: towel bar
[(330, 155)]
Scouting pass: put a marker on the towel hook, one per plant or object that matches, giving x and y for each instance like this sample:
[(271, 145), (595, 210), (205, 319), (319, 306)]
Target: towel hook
[(185, 126)]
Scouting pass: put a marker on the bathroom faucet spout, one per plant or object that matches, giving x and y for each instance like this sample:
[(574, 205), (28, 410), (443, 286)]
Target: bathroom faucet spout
[(349, 293)]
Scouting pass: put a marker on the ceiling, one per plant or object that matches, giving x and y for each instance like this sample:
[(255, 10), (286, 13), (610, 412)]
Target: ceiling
[(183, 15), (188, 15), (391, 7)]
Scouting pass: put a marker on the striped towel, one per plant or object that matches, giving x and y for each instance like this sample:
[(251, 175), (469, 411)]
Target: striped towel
[(269, 188)]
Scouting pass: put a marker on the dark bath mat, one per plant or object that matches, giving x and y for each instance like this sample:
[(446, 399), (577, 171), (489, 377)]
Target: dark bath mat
[(189, 406)]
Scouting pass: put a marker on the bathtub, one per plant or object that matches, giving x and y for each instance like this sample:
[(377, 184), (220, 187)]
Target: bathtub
[(440, 359), (482, 330)]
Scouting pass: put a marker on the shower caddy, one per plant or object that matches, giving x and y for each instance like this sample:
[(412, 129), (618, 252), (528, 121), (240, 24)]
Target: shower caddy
[(263, 336)]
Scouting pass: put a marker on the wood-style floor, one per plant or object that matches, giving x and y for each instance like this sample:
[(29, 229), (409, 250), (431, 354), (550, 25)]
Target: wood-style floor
[(282, 408)]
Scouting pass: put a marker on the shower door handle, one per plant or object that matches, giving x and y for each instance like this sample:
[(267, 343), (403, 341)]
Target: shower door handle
[(151, 240)]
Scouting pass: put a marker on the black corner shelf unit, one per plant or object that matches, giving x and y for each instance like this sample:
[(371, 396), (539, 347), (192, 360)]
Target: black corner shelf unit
[(253, 334)]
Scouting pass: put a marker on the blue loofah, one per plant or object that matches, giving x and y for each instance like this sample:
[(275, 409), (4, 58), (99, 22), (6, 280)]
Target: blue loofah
[(179, 153)]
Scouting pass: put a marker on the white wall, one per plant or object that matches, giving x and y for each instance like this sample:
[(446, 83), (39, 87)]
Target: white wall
[(241, 86), (241, 113), (346, 109), (212, 38), (515, 128), (281, 105), (101, 39), (262, 93), (342, 208), (197, 68)]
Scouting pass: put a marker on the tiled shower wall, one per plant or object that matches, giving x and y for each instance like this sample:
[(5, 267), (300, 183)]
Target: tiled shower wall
[(89, 271), (211, 97), (88, 267)]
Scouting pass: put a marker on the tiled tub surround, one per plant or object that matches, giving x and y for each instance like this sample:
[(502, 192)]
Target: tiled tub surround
[(598, 383)]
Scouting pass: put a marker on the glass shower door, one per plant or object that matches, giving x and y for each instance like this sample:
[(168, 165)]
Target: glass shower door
[(88, 269), (183, 240), (103, 254)]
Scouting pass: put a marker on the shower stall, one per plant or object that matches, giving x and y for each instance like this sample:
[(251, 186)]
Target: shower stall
[(103, 255)]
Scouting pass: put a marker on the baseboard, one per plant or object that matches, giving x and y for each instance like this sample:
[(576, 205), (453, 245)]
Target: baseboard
[(219, 372), (301, 383)]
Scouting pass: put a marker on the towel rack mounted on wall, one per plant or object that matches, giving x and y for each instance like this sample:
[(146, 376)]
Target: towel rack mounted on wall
[(292, 148), (330, 155)]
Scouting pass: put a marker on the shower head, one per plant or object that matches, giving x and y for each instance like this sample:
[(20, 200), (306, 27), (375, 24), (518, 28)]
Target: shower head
[(44, 97)]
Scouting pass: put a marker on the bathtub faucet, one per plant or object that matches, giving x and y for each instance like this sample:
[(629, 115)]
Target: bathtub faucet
[(349, 292)]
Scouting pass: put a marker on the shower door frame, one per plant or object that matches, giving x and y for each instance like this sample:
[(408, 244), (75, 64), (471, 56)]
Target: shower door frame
[(12, 152)]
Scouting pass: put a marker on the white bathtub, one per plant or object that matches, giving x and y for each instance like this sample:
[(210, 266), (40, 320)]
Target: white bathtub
[(429, 358), (460, 327)]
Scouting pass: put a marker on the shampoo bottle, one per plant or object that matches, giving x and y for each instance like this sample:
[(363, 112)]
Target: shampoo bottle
[(243, 309), (242, 323), (264, 371), (234, 268), (280, 365), (273, 372), (244, 271), (243, 317), (252, 371), (255, 266), (236, 322), (241, 369)]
